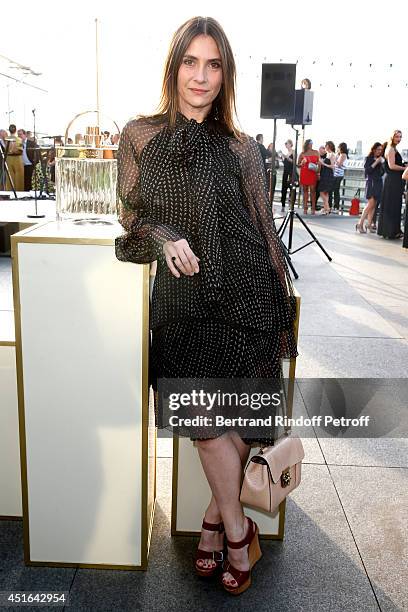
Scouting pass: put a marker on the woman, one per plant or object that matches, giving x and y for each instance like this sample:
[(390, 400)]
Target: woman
[(325, 186), (331, 151), (222, 301), (309, 164), (373, 172), (338, 172), (389, 222), (287, 171), (373, 227), (405, 241), (51, 154)]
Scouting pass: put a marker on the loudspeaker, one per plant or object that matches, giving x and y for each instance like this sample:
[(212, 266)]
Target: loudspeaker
[(303, 108), (278, 91)]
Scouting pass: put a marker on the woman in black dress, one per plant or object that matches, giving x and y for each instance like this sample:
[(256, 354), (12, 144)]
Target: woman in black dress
[(287, 171), (326, 180), (389, 221), (194, 197), (405, 241), (373, 171)]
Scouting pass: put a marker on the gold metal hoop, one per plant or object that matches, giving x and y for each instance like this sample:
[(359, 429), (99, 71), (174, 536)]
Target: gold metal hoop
[(86, 113)]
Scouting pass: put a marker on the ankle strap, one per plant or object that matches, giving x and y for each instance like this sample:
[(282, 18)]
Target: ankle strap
[(248, 537), (213, 526)]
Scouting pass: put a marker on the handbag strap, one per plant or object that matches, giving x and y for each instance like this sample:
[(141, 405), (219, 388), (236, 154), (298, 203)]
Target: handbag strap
[(287, 431), (260, 460)]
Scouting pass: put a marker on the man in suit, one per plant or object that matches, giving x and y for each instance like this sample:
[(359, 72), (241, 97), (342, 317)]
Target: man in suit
[(30, 158), (263, 150)]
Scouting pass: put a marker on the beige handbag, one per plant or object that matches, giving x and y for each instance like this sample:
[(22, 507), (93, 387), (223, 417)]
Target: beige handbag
[(273, 473)]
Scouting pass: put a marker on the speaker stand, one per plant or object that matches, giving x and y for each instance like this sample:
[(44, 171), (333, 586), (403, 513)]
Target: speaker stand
[(35, 215), (290, 216), (272, 170), (5, 170)]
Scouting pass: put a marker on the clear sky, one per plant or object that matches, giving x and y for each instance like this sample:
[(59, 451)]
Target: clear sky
[(334, 44)]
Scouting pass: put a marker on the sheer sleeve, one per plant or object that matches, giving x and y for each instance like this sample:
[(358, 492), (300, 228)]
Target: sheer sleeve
[(254, 186), (254, 183), (144, 237)]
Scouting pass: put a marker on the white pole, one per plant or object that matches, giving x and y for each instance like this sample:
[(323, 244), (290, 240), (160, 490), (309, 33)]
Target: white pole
[(97, 70), (8, 104)]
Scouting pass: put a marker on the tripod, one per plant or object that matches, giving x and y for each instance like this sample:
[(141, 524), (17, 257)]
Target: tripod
[(272, 185), (6, 171), (272, 170), (291, 214)]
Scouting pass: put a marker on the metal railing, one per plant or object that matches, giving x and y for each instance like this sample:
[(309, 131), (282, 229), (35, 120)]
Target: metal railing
[(353, 181)]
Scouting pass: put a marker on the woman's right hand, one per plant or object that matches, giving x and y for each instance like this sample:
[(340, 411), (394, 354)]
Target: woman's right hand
[(179, 256)]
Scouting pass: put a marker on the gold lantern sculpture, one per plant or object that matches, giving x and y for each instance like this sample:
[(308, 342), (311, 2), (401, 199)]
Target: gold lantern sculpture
[(86, 175)]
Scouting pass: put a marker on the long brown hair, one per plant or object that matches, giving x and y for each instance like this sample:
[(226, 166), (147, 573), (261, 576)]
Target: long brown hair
[(391, 142), (343, 148), (374, 147), (306, 144), (223, 107)]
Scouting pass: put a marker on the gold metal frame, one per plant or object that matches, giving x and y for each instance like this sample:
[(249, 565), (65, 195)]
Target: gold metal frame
[(9, 517), (87, 113), (146, 521), (282, 505)]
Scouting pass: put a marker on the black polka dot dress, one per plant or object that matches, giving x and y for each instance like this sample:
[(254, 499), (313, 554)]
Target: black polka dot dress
[(235, 317)]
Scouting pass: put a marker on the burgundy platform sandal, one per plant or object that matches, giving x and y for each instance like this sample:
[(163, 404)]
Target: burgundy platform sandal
[(243, 578), (215, 555)]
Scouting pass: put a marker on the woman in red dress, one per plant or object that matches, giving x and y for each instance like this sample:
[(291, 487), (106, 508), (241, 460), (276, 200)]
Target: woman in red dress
[(309, 164)]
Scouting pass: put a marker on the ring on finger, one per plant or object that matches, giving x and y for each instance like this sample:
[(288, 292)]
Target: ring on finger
[(173, 258)]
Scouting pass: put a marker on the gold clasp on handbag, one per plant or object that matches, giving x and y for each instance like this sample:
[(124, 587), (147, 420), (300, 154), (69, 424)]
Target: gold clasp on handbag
[(285, 477)]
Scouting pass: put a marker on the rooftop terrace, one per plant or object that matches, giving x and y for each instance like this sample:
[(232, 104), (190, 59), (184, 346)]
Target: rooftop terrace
[(346, 536)]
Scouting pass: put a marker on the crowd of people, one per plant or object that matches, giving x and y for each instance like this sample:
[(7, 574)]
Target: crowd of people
[(20, 148), (24, 165), (320, 174), (395, 173)]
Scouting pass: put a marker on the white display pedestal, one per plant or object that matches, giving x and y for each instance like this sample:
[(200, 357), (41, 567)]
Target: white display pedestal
[(87, 435), (10, 481), (191, 492)]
